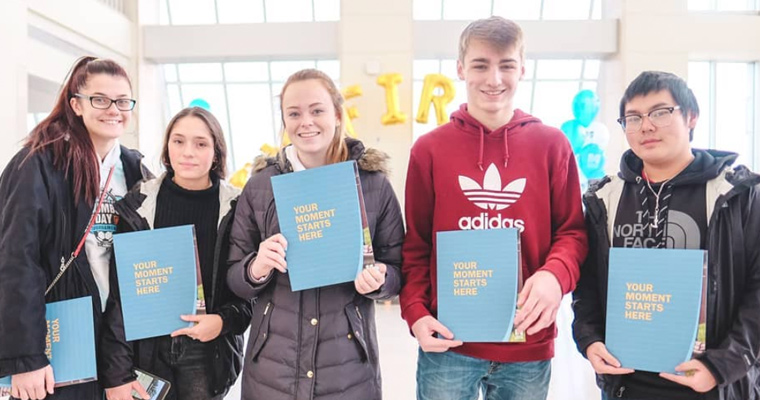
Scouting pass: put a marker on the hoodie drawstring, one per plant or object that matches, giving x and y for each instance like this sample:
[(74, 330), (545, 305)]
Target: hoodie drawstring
[(506, 149), (480, 158)]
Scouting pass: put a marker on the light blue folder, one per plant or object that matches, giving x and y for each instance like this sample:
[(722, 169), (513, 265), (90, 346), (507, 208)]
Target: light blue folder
[(157, 279), (653, 302), (319, 215), (477, 302)]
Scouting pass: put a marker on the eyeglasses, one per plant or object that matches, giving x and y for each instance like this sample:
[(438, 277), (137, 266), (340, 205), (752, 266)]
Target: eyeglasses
[(104, 103), (660, 118)]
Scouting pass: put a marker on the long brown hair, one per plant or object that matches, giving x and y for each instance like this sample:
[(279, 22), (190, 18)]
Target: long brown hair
[(219, 166), (63, 132), (338, 151)]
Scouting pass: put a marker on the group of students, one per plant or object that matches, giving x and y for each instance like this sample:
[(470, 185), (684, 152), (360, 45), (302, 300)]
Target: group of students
[(321, 343)]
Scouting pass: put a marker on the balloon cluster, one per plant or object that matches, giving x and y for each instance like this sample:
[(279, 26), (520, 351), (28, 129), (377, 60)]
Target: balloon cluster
[(588, 138)]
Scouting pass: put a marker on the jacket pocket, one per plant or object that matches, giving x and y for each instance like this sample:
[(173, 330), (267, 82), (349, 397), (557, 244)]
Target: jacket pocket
[(263, 332), (357, 334)]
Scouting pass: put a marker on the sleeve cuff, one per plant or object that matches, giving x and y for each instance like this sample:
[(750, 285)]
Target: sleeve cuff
[(559, 270), (414, 312)]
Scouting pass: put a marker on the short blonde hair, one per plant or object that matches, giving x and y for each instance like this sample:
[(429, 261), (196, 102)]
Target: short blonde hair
[(498, 32)]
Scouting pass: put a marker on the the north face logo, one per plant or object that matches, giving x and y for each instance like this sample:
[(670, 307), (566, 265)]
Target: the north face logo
[(491, 196)]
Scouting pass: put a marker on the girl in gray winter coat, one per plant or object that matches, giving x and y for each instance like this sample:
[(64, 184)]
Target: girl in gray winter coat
[(319, 343)]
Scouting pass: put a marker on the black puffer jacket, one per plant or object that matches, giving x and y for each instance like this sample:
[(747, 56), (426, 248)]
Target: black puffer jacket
[(39, 225), (137, 211), (319, 343), (733, 296)]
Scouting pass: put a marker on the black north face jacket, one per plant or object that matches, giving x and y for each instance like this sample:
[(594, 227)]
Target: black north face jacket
[(733, 296)]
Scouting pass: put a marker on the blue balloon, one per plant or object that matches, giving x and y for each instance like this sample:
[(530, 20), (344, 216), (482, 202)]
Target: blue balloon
[(591, 161), (575, 133), (585, 107), (200, 103)]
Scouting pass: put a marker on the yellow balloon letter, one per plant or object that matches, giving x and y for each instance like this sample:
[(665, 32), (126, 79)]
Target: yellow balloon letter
[(433, 81), (393, 115)]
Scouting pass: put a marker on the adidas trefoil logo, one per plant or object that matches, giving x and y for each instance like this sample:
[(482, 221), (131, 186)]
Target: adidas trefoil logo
[(491, 196)]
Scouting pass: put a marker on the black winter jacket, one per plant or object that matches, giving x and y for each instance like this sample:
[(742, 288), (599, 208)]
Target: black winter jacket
[(319, 343), (40, 225), (137, 211), (733, 297)]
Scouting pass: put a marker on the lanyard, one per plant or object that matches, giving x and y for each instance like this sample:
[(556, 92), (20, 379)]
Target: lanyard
[(75, 253)]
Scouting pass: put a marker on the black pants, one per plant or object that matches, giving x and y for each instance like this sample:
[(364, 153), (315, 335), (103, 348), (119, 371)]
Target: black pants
[(184, 362)]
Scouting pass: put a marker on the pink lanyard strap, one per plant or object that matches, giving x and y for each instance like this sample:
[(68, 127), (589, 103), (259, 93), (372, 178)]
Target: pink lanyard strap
[(75, 253)]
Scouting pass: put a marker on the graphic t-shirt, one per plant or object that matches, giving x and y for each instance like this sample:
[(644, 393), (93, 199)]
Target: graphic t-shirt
[(99, 241), (684, 220)]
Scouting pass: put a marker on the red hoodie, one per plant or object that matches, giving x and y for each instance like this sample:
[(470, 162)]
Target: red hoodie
[(524, 157)]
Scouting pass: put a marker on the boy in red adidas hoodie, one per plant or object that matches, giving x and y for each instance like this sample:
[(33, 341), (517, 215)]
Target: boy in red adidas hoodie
[(489, 146)]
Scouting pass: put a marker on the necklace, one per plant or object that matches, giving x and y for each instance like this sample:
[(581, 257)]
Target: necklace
[(656, 200)]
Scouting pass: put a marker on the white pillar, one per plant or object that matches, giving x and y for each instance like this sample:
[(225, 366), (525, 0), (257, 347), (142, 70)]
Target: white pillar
[(376, 38), (13, 78)]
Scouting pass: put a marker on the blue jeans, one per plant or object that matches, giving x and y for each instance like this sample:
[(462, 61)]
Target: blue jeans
[(452, 376)]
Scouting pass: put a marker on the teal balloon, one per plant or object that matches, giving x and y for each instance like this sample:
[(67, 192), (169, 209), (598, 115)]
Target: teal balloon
[(200, 103), (591, 161), (585, 107), (575, 133)]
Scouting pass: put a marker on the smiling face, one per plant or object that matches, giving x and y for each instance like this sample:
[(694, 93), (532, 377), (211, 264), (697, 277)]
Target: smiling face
[(310, 120), (660, 146), (109, 124), (191, 152), (491, 76)]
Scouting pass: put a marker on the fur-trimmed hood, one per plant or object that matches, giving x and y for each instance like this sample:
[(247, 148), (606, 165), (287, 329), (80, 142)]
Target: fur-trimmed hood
[(368, 159)]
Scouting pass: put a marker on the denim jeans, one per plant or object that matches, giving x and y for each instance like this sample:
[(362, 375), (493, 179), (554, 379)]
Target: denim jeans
[(452, 376), (183, 362)]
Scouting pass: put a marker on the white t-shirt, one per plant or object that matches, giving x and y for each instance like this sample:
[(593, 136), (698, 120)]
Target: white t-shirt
[(99, 241)]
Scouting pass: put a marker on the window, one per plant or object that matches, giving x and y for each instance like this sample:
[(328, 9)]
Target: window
[(727, 93), (554, 82), (724, 5), (203, 12), (241, 95), (512, 9)]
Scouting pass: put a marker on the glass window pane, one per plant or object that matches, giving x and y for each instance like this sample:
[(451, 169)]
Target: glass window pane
[(699, 82), (589, 85), (427, 9), (289, 11), (466, 9), (240, 11), (170, 72), (735, 5), (523, 95), (246, 72), (281, 70), (250, 121), (530, 68), (192, 12), (30, 122), (331, 68), (517, 10), (210, 72), (554, 101), (733, 111), (559, 69), (449, 68), (699, 5), (175, 100), (567, 9), (163, 13), (591, 69), (420, 68), (596, 11), (327, 10)]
